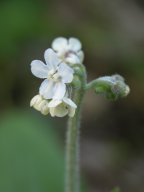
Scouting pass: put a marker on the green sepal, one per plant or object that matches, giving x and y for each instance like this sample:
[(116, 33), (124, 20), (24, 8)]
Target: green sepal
[(76, 83)]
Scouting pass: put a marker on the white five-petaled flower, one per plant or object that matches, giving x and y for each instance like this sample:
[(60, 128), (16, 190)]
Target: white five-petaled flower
[(69, 50), (61, 108), (56, 74)]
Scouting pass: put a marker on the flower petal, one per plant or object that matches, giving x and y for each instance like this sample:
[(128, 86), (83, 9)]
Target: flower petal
[(54, 103), (47, 89), (80, 54), (59, 90), (69, 102), (59, 111), (74, 44), (59, 43), (71, 112), (39, 69), (51, 59), (73, 59), (66, 73), (44, 107), (35, 100)]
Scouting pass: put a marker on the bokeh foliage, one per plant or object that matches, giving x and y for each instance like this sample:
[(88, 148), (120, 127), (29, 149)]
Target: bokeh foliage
[(30, 157)]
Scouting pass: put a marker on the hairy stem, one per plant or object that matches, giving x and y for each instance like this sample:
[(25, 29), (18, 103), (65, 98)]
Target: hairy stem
[(97, 82), (72, 177)]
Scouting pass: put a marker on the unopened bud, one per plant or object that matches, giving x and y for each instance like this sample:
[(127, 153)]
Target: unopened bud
[(35, 101), (113, 87), (40, 104), (44, 107)]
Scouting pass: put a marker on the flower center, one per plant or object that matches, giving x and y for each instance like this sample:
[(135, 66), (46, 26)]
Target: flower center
[(68, 53), (53, 75)]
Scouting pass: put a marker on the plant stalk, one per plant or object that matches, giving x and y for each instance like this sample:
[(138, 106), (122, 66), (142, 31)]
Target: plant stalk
[(72, 176)]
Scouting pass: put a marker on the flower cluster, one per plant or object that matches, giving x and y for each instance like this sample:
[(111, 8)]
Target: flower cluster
[(58, 75)]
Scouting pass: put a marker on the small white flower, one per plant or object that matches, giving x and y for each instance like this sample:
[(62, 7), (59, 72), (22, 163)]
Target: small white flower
[(40, 104), (69, 50), (61, 108), (55, 73)]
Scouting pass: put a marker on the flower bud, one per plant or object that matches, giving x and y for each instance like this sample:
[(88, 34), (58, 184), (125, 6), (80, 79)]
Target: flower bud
[(59, 111), (113, 87), (35, 101), (40, 104), (44, 107), (61, 108)]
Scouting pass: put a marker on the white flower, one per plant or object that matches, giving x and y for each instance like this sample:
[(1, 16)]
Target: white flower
[(40, 104), (61, 108), (55, 73), (68, 50)]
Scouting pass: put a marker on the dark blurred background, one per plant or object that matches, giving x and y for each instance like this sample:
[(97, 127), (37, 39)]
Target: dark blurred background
[(112, 133)]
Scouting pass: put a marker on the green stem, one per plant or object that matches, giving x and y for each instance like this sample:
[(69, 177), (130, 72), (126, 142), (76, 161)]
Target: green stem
[(72, 177), (91, 84), (99, 82)]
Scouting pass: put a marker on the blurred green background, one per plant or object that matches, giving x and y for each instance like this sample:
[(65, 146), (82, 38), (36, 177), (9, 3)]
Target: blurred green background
[(31, 145)]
